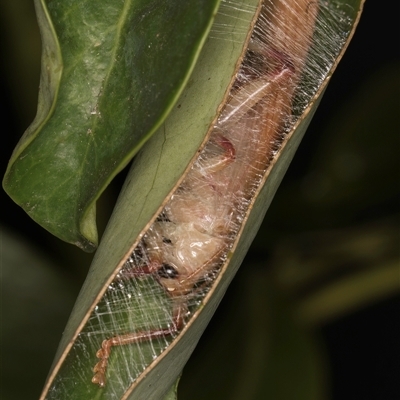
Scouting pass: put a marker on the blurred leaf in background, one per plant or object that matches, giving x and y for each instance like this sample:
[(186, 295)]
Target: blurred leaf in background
[(36, 300), (332, 228)]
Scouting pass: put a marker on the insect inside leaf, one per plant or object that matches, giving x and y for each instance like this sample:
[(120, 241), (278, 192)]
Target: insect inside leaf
[(187, 244), (177, 261)]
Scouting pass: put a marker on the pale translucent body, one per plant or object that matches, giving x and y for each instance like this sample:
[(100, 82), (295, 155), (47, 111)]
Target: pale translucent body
[(192, 236)]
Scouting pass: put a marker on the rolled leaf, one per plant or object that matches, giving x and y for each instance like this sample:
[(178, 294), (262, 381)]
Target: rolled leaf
[(121, 277)]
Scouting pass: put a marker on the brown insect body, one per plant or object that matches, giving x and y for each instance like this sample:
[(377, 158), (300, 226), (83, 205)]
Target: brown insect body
[(192, 236)]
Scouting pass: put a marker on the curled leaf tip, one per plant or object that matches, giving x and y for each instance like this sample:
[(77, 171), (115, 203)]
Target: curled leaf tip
[(111, 72)]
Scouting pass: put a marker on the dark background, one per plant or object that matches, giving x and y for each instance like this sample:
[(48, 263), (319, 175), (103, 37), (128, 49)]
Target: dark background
[(362, 345)]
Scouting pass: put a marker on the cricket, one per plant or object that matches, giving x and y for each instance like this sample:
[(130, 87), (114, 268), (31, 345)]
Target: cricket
[(187, 244), (179, 258)]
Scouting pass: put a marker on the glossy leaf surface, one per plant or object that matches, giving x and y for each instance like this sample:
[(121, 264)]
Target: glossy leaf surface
[(111, 71)]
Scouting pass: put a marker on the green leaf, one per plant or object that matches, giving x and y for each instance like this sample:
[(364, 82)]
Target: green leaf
[(35, 298), (156, 171), (172, 393), (111, 72)]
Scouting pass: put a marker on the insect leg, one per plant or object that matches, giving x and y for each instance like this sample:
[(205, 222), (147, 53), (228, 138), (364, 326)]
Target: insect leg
[(216, 163), (104, 353)]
